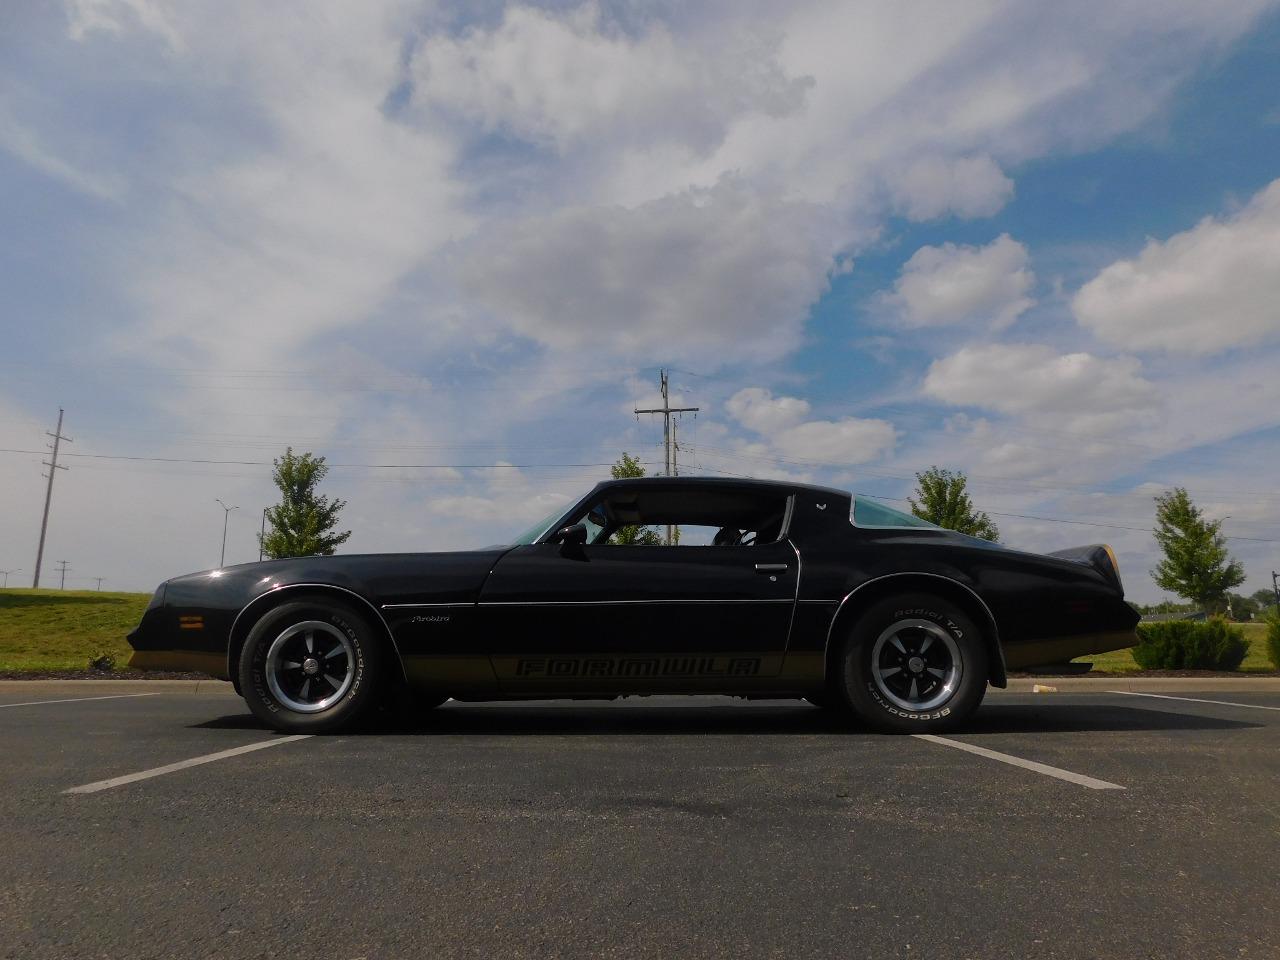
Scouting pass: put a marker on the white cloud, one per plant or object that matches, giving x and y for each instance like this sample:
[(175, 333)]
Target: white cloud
[(725, 272), (1072, 389), (27, 146), (759, 410), (968, 187), (116, 17), (562, 77), (848, 440), (1203, 291), (952, 284), (781, 421), (543, 200)]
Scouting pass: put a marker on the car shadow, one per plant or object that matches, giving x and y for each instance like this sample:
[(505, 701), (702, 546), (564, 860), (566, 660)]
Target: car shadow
[(744, 719)]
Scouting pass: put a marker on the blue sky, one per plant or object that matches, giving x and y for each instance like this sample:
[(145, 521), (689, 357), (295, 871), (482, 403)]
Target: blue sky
[(449, 247)]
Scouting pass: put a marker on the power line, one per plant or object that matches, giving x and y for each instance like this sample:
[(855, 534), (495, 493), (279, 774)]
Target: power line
[(52, 464), (668, 431), (985, 478), (366, 466)]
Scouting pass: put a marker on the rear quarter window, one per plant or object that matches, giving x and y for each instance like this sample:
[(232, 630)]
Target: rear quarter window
[(869, 513)]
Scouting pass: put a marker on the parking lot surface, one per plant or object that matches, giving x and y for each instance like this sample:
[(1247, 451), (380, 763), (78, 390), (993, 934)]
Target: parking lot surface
[(1085, 825)]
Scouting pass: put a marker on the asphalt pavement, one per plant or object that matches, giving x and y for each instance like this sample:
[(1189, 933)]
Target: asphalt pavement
[(1059, 825)]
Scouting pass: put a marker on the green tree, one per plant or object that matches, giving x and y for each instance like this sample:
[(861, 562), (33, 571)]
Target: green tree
[(940, 498), (1242, 607), (1196, 564), (632, 536), (1265, 599), (302, 524)]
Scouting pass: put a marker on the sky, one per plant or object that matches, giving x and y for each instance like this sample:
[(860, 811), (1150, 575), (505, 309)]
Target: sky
[(449, 247)]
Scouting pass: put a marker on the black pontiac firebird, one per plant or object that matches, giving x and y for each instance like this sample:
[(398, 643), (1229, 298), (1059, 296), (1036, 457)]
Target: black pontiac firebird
[(772, 590)]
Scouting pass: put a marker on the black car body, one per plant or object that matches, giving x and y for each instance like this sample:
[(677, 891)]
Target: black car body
[(771, 606)]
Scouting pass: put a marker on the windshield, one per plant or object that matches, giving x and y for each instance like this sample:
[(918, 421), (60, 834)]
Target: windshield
[(539, 528), (868, 513)]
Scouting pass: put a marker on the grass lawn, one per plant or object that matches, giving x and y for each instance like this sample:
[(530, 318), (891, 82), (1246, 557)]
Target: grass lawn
[(63, 629), (1255, 661)]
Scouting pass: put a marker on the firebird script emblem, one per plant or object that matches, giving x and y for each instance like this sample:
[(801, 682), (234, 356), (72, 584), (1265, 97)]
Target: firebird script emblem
[(821, 506)]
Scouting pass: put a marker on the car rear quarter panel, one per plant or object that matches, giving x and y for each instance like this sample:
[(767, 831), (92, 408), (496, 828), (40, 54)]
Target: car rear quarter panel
[(1033, 600)]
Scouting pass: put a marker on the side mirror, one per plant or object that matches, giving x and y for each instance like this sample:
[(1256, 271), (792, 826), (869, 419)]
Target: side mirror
[(574, 534)]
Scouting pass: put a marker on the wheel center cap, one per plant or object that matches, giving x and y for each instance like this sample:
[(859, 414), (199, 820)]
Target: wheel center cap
[(311, 666), (915, 664)]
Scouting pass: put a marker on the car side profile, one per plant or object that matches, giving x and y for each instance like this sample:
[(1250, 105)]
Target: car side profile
[(770, 589)]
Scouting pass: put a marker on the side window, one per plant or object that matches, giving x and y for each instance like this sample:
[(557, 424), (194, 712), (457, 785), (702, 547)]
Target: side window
[(697, 517), (868, 513)]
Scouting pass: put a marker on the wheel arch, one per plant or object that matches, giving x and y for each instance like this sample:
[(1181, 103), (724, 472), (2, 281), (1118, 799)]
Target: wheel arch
[(963, 596), (256, 608)]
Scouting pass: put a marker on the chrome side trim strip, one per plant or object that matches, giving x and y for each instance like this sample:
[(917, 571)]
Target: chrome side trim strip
[(412, 606), (313, 586)]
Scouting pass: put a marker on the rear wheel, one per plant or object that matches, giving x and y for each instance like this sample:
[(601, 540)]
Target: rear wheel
[(310, 666), (915, 664)]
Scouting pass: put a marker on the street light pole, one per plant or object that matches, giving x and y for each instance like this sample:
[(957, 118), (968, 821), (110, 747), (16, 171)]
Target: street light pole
[(226, 512)]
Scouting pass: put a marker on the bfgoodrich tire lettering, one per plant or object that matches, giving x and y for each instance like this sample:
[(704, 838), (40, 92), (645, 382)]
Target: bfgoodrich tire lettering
[(310, 666), (914, 663)]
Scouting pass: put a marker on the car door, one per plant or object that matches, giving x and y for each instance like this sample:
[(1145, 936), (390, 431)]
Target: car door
[(608, 618)]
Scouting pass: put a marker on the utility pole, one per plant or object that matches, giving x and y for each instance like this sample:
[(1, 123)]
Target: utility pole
[(52, 464), (6, 576), (668, 431), (62, 568), (264, 532), (226, 512), (1275, 585), (99, 579)]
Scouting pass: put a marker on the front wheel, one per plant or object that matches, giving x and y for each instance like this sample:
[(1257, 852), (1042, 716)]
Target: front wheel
[(310, 666), (915, 664)]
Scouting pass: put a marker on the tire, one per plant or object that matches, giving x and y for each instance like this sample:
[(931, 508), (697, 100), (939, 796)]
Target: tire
[(311, 666), (914, 663)]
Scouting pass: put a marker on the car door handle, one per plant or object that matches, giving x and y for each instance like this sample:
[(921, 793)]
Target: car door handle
[(770, 567)]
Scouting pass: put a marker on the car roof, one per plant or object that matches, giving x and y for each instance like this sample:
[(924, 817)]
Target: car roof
[(781, 487)]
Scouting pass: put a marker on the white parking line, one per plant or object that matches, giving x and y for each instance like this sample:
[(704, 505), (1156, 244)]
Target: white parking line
[(183, 764), (114, 696), (1223, 703), (1048, 771)]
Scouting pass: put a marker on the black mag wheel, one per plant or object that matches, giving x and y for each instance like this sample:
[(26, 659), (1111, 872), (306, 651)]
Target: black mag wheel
[(310, 666), (915, 663)]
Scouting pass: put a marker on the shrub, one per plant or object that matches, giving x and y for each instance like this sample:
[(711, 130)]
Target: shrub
[(103, 661), (1273, 638), (1184, 645)]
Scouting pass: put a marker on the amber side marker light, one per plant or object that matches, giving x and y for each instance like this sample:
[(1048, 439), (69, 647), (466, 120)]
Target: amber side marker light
[(191, 623)]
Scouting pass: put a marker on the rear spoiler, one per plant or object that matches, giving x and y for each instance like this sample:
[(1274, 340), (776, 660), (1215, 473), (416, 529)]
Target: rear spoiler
[(1097, 555)]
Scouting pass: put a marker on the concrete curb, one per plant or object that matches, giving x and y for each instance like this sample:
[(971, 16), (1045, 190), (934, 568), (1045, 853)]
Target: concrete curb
[(1016, 685), (90, 688), (1143, 684)]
